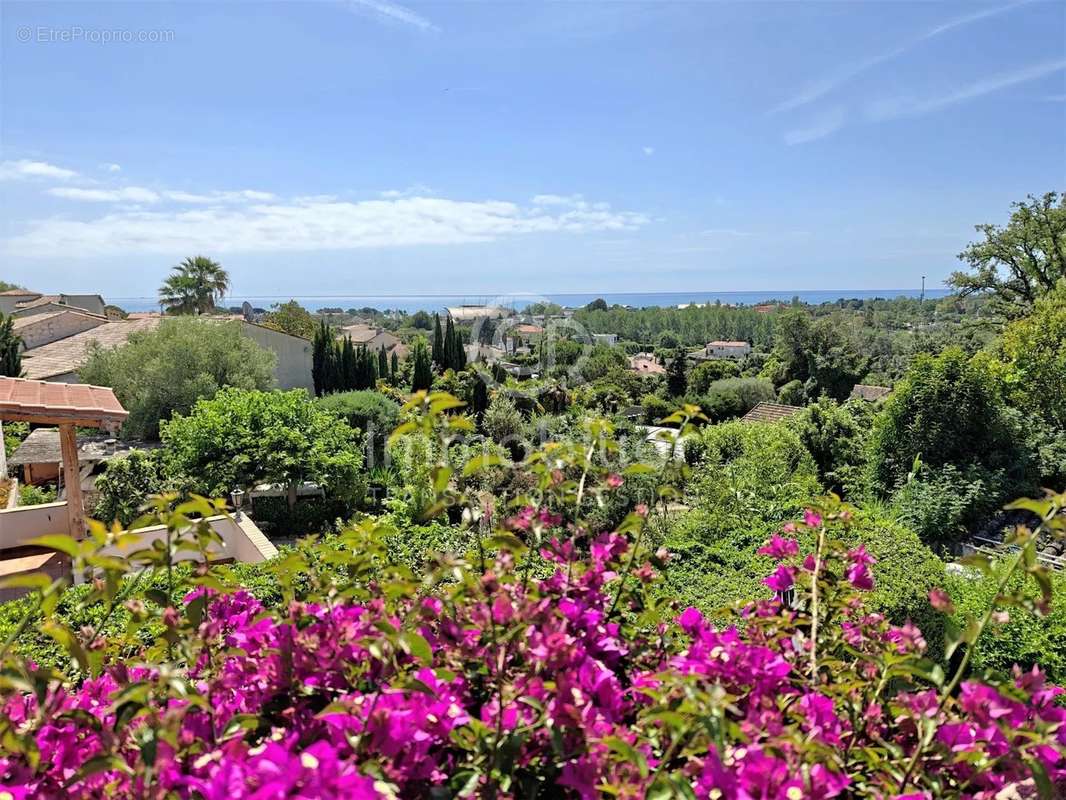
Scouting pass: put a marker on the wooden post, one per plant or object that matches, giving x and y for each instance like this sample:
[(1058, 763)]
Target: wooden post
[(68, 443)]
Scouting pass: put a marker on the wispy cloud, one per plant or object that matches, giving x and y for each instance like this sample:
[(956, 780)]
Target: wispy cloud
[(825, 85), (392, 13), (891, 108), (309, 224), (727, 232), (24, 168), (111, 167), (822, 126), (128, 194), (649, 151)]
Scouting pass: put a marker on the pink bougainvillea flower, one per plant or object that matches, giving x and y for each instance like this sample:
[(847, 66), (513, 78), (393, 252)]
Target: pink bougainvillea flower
[(779, 547), (782, 579), (811, 518), (859, 576), (941, 601)]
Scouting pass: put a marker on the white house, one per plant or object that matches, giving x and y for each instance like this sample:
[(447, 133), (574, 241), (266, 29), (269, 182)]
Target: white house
[(724, 349)]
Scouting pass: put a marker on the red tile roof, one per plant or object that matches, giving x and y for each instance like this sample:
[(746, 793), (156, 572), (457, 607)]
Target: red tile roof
[(57, 403), (770, 412)]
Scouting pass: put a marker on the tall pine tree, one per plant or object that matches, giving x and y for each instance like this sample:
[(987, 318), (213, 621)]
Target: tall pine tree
[(321, 357), (676, 379), (394, 367)]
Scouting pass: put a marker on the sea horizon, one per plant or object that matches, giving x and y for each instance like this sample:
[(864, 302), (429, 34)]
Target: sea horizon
[(411, 303)]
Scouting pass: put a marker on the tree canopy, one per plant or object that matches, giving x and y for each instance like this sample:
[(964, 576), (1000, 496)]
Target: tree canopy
[(194, 286), (1021, 261), (291, 317), (168, 369), (10, 348), (238, 439)]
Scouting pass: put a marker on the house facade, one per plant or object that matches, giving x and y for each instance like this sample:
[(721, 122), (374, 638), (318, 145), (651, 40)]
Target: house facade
[(727, 349)]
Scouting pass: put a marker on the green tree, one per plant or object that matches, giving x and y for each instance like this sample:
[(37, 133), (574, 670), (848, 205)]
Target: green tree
[(599, 304), (241, 438), (676, 377), (705, 373), (836, 435), (1022, 261), (368, 411), (422, 376), (945, 411), (194, 287), (322, 359), (126, 485), (735, 397), (437, 354), (1029, 360), (291, 317), (819, 353), (168, 369), (394, 366), (502, 421), (10, 348), (383, 363)]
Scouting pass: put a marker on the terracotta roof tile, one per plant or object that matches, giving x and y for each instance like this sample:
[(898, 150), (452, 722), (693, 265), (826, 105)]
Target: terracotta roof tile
[(770, 412), (69, 354), (55, 402)]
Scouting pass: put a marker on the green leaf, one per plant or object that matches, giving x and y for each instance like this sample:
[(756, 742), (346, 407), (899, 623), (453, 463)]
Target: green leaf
[(415, 644), (628, 753), (58, 541)]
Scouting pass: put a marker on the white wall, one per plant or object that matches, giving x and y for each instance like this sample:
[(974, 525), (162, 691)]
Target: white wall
[(293, 367)]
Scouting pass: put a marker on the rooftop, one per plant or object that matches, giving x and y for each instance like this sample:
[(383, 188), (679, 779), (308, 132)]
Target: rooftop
[(42, 447), (870, 392), (721, 343), (770, 412), (59, 403), (69, 354)]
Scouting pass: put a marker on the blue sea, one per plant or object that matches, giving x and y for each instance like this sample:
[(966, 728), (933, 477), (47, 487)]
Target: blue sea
[(412, 303)]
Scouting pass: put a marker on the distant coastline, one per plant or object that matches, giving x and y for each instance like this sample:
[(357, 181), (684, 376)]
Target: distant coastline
[(412, 303)]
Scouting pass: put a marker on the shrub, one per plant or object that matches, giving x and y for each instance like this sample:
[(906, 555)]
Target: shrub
[(735, 397), (126, 485), (368, 411), (655, 408), (792, 393), (160, 372), (36, 495), (701, 376), (502, 421), (836, 436), (760, 471), (1021, 638), (942, 505)]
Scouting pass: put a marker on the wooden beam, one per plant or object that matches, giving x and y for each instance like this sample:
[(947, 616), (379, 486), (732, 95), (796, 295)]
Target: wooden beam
[(68, 444)]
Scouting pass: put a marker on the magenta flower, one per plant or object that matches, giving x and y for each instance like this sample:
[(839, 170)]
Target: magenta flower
[(811, 519), (779, 547), (782, 579)]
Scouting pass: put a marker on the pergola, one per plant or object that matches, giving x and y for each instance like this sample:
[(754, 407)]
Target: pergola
[(67, 406)]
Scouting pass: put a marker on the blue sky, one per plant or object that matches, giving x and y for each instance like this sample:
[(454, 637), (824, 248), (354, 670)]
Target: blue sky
[(370, 147)]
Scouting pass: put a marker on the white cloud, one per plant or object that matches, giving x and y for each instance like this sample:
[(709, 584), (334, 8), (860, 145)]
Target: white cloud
[(416, 190), (892, 108), (730, 232), (649, 151), (310, 224), (24, 168), (824, 125), (128, 194), (112, 167), (393, 13), (826, 85)]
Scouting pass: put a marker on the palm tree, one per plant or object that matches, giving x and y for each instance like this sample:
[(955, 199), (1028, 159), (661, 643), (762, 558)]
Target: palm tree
[(194, 286)]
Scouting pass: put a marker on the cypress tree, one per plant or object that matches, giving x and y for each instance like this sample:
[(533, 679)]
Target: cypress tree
[(394, 367), (10, 348), (348, 378), (321, 350), (422, 376), (676, 380), (438, 342), (383, 363), (448, 354), (480, 400)]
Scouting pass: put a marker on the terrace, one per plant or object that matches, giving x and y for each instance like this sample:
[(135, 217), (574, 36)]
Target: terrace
[(69, 407)]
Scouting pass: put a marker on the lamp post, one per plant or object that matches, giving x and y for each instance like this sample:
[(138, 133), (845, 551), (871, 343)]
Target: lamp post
[(237, 497)]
